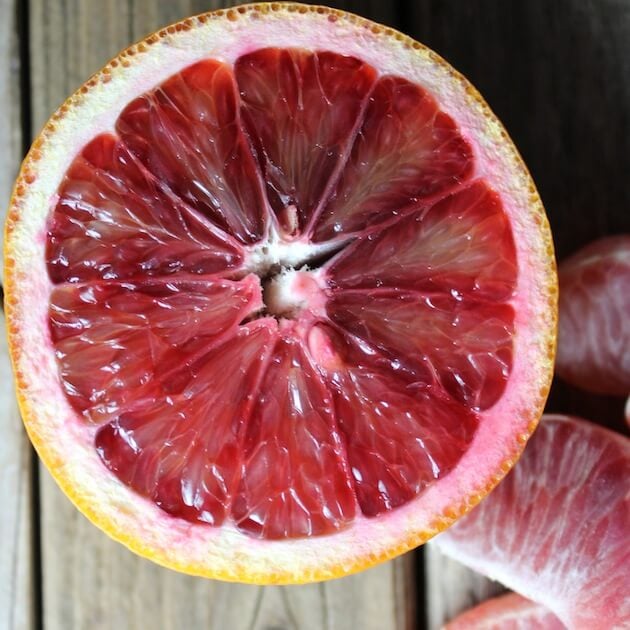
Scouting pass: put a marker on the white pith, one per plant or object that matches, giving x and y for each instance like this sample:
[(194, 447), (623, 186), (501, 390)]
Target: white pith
[(225, 551), (279, 252), (284, 295), (283, 263)]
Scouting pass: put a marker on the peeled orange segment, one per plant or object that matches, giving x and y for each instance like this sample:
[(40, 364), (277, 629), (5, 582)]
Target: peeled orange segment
[(462, 245), (556, 529), (183, 450), (281, 296), (594, 325), (114, 220), (188, 133), (507, 612)]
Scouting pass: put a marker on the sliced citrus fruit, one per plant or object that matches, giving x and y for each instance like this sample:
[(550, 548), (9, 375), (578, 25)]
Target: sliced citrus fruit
[(507, 612), (281, 295), (594, 323), (556, 529)]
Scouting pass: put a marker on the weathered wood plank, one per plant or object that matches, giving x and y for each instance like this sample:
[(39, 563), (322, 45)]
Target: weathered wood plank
[(17, 606), (10, 118), (111, 587), (17, 611), (452, 588)]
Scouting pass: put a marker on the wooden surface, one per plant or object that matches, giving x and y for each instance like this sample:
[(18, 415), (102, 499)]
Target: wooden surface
[(558, 75), (452, 588), (17, 611), (17, 604), (10, 104)]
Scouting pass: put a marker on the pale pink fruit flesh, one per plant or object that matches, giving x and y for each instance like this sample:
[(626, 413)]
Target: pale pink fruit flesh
[(507, 612), (594, 324), (215, 399), (556, 529)]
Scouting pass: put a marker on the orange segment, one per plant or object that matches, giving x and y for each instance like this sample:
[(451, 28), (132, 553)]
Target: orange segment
[(463, 245), (301, 110), (295, 478), (556, 530), (183, 451), (188, 134), (594, 327), (114, 220), (401, 435), (466, 346), (406, 151), (507, 612), (113, 340)]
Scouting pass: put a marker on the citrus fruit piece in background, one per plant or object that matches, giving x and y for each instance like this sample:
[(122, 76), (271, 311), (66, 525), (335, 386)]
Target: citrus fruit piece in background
[(556, 529), (506, 612), (594, 320), (281, 295)]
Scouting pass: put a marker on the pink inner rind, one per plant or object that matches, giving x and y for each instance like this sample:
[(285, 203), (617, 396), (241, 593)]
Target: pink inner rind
[(373, 389)]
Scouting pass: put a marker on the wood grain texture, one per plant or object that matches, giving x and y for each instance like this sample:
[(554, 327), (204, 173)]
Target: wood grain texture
[(452, 588), (16, 559), (88, 580), (17, 609), (10, 119), (92, 582)]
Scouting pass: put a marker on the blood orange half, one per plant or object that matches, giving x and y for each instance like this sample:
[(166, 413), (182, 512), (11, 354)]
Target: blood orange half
[(556, 530), (507, 612), (281, 295)]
